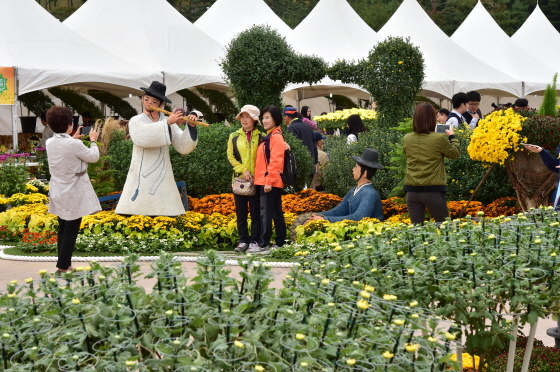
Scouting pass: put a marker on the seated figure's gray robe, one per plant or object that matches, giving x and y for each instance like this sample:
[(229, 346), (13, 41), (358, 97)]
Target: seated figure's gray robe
[(150, 187)]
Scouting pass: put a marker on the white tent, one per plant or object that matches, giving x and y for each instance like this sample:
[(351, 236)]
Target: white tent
[(335, 31), (461, 71), (538, 37), (152, 34), (47, 54), (225, 19), (496, 48)]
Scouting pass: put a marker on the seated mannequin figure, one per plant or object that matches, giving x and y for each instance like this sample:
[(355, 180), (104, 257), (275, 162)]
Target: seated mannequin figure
[(363, 200)]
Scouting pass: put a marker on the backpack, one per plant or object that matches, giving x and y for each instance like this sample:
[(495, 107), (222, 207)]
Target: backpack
[(289, 173)]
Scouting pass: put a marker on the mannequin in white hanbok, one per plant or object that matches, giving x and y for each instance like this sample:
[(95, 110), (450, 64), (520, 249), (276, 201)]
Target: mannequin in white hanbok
[(150, 187)]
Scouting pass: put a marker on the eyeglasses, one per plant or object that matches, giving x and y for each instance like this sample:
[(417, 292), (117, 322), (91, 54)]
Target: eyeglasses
[(474, 104)]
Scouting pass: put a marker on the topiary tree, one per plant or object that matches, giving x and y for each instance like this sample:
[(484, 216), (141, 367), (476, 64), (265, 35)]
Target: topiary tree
[(259, 63), (194, 102), (118, 105), (393, 74), (77, 102), (221, 103), (548, 105), (37, 102)]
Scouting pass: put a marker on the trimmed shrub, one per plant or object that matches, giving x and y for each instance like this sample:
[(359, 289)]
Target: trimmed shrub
[(206, 170), (337, 174), (259, 63), (464, 175), (392, 73)]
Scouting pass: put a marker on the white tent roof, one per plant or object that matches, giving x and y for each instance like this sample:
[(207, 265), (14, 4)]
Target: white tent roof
[(536, 36), (226, 19), (48, 54), (498, 50), (335, 31), (461, 70), (152, 34)]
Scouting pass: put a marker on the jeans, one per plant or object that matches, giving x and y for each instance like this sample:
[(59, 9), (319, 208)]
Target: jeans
[(67, 235), (271, 210), (244, 205)]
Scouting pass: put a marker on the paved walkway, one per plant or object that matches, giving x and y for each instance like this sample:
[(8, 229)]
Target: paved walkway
[(20, 270)]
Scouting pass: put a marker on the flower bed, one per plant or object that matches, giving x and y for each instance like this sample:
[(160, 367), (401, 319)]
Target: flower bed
[(471, 272), (300, 202), (337, 120), (107, 231), (100, 318)]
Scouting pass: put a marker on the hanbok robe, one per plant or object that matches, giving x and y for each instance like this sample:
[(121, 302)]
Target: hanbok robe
[(150, 188)]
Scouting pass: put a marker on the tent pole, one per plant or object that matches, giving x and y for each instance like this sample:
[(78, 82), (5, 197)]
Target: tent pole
[(14, 113), (522, 89), (297, 99)]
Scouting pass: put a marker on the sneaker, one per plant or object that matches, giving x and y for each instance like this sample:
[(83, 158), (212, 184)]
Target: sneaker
[(262, 250), (242, 247), (253, 247), (275, 246)]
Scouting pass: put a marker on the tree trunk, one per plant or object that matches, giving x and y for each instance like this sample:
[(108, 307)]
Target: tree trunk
[(531, 180)]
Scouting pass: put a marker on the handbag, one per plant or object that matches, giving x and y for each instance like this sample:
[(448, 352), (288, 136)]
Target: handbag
[(240, 186)]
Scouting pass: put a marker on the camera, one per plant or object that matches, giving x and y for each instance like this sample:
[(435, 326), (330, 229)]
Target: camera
[(85, 130)]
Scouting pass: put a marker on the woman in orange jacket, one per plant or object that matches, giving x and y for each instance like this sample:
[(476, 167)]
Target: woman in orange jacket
[(268, 170)]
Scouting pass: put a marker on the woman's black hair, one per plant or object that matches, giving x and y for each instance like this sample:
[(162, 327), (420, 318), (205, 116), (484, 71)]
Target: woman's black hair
[(304, 111), (275, 112), (355, 124)]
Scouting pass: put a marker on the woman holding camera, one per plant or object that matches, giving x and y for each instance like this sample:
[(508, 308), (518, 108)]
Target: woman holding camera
[(425, 150), (71, 195)]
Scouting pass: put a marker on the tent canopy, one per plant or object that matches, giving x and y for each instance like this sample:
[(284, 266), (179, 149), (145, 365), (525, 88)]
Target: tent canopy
[(498, 50), (153, 35), (225, 19), (458, 70), (47, 54), (333, 30), (530, 37)]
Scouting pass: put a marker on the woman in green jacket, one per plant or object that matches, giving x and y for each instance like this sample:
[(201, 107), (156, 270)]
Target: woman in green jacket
[(425, 181), (242, 154)]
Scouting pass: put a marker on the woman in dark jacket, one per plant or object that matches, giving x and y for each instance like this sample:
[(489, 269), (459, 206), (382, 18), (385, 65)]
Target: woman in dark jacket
[(425, 150)]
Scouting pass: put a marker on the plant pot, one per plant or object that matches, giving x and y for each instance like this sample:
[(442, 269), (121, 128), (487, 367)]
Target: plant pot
[(28, 124)]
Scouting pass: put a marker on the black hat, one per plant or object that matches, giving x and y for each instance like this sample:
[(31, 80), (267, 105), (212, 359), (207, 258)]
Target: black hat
[(157, 90), (521, 102), (369, 159)]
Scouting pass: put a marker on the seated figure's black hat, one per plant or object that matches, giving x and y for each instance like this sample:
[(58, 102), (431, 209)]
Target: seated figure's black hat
[(369, 159)]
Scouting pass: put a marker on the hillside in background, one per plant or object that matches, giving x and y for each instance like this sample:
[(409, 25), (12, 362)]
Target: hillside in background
[(448, 15)]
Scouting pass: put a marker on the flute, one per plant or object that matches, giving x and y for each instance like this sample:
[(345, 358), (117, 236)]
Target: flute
[(184, 117)]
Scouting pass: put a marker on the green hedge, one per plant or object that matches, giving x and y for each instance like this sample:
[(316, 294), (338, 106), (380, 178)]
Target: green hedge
[(463, 173), (337, 175), (206, 170)]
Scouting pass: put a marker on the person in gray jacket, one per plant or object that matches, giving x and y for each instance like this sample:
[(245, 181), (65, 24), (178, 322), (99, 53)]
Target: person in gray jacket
[(71, 195)]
